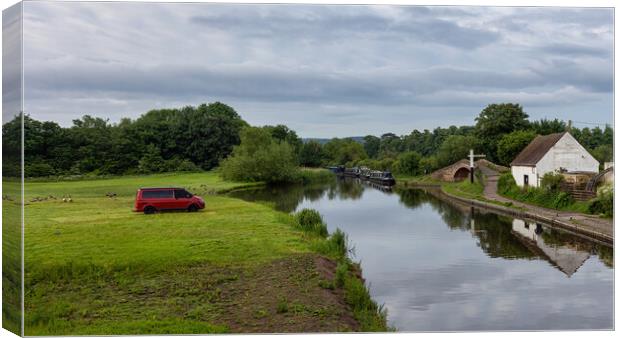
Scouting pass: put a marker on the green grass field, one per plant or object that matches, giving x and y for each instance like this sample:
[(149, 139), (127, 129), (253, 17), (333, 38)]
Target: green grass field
[(95, 267), (11, 256)]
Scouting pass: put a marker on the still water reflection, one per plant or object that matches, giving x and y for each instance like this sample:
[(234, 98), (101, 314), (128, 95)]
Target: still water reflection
[(439, 266)]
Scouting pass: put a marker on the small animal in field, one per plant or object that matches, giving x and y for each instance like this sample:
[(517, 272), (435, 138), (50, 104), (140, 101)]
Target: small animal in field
[(111, 194), (67, 198)]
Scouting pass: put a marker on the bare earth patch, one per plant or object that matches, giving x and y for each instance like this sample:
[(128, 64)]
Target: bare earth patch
[(285, 296), (281, 296)]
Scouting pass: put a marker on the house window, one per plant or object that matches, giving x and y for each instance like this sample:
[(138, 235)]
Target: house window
[(526, 180)]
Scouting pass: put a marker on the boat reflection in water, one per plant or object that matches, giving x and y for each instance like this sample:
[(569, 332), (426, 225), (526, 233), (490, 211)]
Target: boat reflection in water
[(378, 186)]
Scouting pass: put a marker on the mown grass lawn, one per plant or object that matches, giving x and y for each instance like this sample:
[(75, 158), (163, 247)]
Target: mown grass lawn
[(95, 267)]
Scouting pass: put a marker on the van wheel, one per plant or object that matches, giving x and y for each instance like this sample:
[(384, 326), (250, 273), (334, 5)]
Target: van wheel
[(149, 210), (192, 208)]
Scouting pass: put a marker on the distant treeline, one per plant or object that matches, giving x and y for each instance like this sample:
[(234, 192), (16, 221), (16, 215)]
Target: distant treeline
[(199, 138)]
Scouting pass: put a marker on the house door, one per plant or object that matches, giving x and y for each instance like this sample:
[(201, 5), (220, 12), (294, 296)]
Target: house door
[(526, 180)]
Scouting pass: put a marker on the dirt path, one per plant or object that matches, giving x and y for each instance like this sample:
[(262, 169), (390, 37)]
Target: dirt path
[(601, 225)]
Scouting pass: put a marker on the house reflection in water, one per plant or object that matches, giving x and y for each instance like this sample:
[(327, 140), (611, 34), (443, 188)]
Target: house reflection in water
[(566, 258)]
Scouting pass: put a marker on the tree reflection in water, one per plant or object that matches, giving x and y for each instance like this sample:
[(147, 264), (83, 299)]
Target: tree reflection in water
[(495, 234)]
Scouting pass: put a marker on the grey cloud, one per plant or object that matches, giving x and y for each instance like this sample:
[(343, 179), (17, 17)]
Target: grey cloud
[(11, 62), (272, 84), (423, 28), (326, 63), (569, 49)]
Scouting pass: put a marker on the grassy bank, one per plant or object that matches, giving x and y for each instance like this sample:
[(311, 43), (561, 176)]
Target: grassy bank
[(465, 189), (94, 267), (407, 180)]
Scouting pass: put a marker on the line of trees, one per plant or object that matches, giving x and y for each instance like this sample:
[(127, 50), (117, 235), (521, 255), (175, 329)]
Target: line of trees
[(190, 138), (200, 138), (501, 132)]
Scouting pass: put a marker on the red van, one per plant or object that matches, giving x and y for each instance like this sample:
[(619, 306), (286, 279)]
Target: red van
[(151, 200)]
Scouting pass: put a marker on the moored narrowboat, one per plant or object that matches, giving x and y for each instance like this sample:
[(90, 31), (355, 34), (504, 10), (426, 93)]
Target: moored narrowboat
[(352, 172), (338, 170), (365, 172), (382, 177)]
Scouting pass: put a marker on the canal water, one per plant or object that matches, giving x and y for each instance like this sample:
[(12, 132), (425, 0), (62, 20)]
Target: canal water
[(440, 266)]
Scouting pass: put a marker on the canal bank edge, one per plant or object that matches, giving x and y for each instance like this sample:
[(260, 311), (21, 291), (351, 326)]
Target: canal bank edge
[(343, 278), (553, 222)]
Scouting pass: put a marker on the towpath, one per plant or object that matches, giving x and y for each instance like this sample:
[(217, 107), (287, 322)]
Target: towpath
[(590, 222)]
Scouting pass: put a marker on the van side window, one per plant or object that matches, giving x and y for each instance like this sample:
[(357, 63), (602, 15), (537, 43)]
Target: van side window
[(181, 193), (147, 194)]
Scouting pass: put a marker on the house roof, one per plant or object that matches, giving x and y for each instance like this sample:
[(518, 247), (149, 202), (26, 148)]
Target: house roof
[(536, 149)]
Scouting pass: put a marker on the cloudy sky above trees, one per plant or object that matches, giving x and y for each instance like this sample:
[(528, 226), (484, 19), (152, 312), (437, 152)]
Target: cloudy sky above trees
[(324, 71)]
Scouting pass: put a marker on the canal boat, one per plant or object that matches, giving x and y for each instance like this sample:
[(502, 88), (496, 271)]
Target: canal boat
[(382, 177), (338, 170), (352, 172), (365, 173)]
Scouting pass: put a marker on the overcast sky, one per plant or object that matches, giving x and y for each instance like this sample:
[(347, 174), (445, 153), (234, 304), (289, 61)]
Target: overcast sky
[(324, 71)]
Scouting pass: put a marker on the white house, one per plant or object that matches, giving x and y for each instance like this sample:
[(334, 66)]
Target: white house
[(550, 153)]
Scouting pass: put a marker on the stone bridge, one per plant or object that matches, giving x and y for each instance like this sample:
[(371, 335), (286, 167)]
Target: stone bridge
[(457, 171)]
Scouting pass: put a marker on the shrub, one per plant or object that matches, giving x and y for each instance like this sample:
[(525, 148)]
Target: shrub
[(187, 165), (370, 316), (562, 200), (506, 183), (603, 203), (339, 242), (409, 163), (308, 217), (260, 158), (38, 169), (340, 276), (552, 181), (549, 197), (311, 221), (282, 306), (428, 164), (336, 246)]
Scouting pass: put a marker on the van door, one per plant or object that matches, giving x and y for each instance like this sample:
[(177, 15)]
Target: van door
[(182, 199), (166, 199)]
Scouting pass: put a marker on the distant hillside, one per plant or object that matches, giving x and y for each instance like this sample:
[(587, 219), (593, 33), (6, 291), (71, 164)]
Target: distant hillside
[(359, 139)]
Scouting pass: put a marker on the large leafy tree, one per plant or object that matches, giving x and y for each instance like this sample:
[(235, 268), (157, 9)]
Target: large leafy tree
[(91, 139), (371, 145), (282, 133), (311, 154), (409, 163), (496, 120), (455, 148), (391, 145), (260, 157), (545, 126), (510, 145), (209, 133)]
